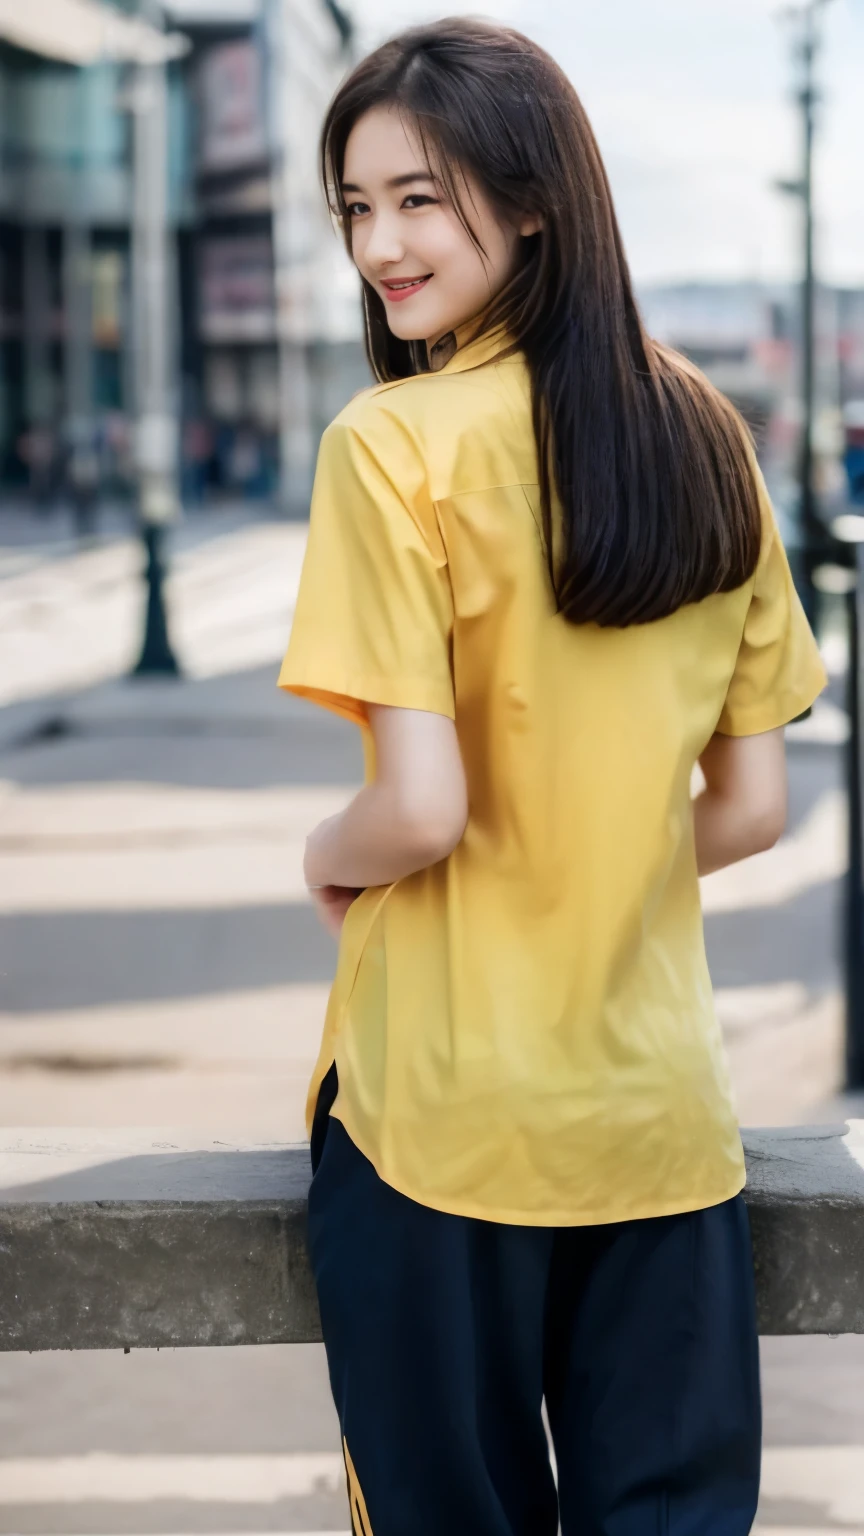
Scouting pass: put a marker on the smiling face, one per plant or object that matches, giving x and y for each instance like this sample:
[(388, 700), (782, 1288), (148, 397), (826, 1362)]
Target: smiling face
[(407, 239)]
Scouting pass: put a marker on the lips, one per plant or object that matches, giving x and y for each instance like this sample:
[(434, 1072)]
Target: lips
[(398, 288)]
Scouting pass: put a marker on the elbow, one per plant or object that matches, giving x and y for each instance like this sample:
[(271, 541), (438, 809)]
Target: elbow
[(433, 830), (451, 834), (765, 826)]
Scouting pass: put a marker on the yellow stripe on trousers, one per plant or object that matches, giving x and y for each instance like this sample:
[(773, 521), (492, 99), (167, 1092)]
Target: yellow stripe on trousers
[(359, 1514)]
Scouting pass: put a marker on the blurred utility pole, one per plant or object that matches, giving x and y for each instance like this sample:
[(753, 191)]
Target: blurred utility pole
[(819, 547), (815, 543), (152, 336)]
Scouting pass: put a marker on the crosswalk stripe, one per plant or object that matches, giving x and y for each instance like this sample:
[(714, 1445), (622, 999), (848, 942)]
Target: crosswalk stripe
[(831, 1476), (102, 1476), (807, 1530), (145, 848), (758, 1530)]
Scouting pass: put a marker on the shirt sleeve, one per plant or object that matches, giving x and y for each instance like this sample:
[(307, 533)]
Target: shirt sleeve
[(778, 672), (374, 614)]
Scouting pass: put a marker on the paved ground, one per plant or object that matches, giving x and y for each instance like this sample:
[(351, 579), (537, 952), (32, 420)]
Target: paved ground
[(159, 966)]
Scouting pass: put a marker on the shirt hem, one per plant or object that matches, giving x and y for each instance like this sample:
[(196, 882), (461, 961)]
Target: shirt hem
[(754, 721), (348, 695), (532, 1218)]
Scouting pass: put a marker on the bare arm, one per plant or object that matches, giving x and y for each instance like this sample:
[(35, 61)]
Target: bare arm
[(742, 809), (413, 814)]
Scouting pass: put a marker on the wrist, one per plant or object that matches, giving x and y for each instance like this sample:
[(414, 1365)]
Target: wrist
[(311, 869), (315, 871)]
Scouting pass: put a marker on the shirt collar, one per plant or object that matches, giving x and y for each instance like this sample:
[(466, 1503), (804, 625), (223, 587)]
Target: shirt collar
[(467, 350)]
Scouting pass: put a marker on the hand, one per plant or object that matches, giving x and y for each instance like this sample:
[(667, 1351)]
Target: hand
[(331, 902)]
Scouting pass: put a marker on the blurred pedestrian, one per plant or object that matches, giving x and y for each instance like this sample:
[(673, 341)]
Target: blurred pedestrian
[(195, 462), (83, 475), (853, 455), (544, 577), (37, 447), (246, 461)]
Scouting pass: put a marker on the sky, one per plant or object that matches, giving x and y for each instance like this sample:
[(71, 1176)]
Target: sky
[(692, 104)]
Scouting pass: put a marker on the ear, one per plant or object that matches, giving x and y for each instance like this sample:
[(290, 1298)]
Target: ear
[(531, 224)]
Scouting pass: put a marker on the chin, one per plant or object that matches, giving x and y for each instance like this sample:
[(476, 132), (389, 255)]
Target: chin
[(416, 327), (415, 331)]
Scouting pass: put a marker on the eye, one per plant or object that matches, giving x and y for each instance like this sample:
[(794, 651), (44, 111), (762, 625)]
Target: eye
[(418, 200), (356, 210)]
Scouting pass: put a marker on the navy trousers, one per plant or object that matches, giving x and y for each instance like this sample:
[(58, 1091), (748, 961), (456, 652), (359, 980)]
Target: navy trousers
[(444, 1335)]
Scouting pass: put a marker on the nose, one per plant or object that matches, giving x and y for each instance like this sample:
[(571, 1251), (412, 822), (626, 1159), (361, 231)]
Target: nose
[(384, 243)]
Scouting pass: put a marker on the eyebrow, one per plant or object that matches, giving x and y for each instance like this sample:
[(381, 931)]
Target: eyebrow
[(395, 181)]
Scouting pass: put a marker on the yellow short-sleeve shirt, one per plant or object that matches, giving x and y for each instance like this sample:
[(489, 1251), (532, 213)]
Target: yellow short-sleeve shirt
[(524, 1032)]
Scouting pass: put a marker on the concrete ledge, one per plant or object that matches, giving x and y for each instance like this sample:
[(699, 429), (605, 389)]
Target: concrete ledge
[(149, 1239), (805, 1194)]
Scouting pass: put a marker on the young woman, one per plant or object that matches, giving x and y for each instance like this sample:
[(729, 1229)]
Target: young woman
[(544, 578)]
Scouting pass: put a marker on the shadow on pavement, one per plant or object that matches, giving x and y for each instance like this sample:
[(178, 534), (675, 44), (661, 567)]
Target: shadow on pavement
[(66, 960), (229, 732)]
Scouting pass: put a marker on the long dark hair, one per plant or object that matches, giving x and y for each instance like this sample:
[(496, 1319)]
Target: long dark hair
[(648, 462)]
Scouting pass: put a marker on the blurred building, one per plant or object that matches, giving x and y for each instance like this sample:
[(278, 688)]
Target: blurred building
[(746, 337), (263, 303), (271, 341), (250, 260)]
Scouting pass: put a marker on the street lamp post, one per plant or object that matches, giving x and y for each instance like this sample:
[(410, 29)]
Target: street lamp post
[(155, 426)]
